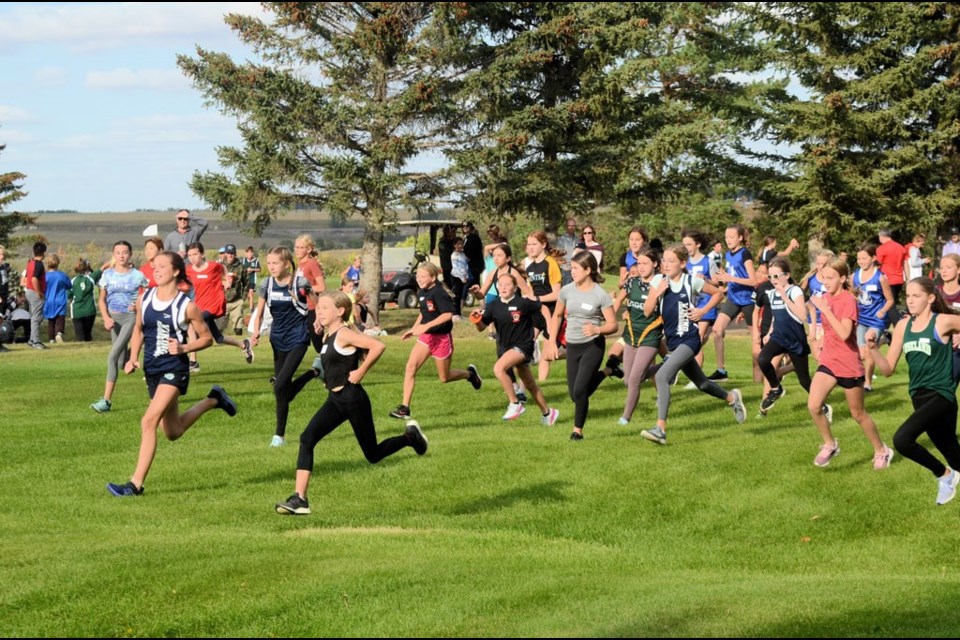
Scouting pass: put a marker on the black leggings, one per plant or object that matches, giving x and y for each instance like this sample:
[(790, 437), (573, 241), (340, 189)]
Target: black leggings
[(584, 375), (801, 364), (937, 416), (316, 339), (285, 388), (83, 328), (350, 403)]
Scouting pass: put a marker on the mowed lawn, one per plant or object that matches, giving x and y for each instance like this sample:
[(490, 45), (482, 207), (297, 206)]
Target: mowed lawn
[(502, 529)]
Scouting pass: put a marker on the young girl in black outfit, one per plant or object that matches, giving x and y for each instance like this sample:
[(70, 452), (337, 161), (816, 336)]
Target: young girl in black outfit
[(285, 295), (342, 372), (514, 316)]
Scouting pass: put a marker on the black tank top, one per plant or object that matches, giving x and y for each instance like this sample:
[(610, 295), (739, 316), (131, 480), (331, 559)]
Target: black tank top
[(337, 366)]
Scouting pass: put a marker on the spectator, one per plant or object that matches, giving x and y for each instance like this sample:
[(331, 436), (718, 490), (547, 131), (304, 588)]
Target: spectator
[(460, 272), (915, 260), (891, 256), (252, 264), (588, 242), (769, 250), (234, 288), (473, 249), (55, 301), (83, 308), (189, 230), (35, 279), (953, 246), (567, 243), (4, 278)]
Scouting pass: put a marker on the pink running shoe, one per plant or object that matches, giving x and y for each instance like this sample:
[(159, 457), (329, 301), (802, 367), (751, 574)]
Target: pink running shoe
[(827, 453)]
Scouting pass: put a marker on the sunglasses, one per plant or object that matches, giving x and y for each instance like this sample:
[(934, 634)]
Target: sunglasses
[(777, 276), (183, 218), (588, 233)]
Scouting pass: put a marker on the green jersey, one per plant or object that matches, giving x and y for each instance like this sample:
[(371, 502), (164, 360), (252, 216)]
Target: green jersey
[(640, 331), (930, 360)]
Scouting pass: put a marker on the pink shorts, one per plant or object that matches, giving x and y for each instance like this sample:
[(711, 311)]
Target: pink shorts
[(440, 344)]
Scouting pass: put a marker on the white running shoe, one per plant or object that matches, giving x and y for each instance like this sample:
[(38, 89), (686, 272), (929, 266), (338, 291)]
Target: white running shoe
[(514, 411), (551, 418)]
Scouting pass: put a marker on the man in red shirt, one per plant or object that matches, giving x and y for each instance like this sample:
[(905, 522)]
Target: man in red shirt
[(36, 285), (891, 255), (209, 282)]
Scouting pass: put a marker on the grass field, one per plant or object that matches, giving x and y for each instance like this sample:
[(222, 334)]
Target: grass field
[(500, 530)]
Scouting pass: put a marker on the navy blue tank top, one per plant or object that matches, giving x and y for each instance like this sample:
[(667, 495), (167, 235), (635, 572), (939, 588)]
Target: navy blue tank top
[(164, 320)]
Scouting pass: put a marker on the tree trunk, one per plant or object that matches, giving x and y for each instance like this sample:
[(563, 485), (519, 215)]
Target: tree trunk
[(371, 259)]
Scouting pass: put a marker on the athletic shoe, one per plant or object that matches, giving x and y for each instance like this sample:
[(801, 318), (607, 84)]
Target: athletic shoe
[(690, 385), (277, 441), (828, 411), (39, 346), (194, 367), (415, 434), (867, 388), (514, 411), (614, 365), (294, 506), (656, 434), (224, 401), (739, 411), (402, 412), (474, 378), (247, 351), (720, 375), (550, 419), (273, 380), (576, 437), (59, 338), (882, 460), (318, 366), (102, 405), (827, 453), (128, 489), (623, 421), (947, 487), (772, 396)]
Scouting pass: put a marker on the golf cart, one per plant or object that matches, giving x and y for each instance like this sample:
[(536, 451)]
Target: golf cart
[(400, 264)]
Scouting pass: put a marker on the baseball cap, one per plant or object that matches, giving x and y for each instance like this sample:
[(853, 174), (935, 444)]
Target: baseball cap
[(954, 231), (230, 248)]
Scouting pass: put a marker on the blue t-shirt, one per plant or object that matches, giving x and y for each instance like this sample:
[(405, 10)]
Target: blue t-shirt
[(869, 299), (815, 288), (704, 270), (122, 289), (58, 290), (740, 294)]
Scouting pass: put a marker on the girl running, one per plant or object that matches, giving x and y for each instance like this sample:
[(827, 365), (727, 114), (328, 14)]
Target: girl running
[(788, 310), (874, 300), (924, 338), (700, 266), (950, 290), (514, 318), (812, 284), (740, 280), (432, 331), (673, 294), (285, 297), (119, 286), (208, 285), (840, 364), (589, 312), (162, 317), (642, 334), (543, 272), (344, 370)]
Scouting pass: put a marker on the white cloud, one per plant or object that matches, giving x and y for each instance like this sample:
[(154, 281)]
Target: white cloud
[(104, 25), (14, 136), (9, 114), (156, 79), (50, 77)]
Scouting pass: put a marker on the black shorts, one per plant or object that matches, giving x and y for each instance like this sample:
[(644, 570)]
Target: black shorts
[(211, 321), (251, 285), (731, 309), (178, 379), (525, 349), (845, 383)]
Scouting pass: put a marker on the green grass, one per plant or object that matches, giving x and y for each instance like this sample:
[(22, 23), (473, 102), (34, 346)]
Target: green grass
[(500, 530)]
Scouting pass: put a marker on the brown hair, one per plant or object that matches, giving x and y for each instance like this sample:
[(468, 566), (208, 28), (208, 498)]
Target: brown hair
[(285, 256), (558, 255), (939, 305), (155, 241), (587, 260), (680, 251)]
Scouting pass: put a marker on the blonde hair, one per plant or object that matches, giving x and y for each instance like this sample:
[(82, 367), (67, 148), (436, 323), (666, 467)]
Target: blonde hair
[(53, 261), (843, 269), (307, 239), (435, 273), (341, 301)]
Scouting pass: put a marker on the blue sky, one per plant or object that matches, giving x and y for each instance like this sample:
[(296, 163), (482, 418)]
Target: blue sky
[(94, 110)]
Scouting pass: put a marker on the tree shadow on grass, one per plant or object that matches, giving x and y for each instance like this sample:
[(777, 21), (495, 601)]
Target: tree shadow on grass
[(535, 494)]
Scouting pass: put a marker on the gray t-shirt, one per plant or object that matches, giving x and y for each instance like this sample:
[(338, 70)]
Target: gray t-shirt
[(175, 239), (583, 307)]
